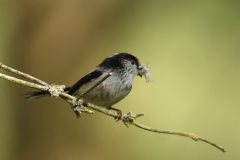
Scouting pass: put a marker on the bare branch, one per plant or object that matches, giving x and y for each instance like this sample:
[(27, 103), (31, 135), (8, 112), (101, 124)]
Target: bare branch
[(128, 119), (23, 74), (24, 83), (185, 134)]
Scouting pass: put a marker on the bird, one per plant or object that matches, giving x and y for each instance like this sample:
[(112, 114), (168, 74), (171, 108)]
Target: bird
[(123, 67)]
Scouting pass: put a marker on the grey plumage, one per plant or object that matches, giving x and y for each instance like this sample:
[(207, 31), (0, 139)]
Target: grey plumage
[(123, 66)]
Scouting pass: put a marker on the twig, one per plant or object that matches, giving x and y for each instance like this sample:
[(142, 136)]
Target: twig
[(53, 89), (127, 119), (185, 134), (24, 83), (23, 74)]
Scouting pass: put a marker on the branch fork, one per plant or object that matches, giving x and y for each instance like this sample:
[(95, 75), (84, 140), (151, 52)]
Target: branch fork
[(129, 117)]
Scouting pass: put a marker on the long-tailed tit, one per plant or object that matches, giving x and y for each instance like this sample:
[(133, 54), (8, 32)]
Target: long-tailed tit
[(123, 66)]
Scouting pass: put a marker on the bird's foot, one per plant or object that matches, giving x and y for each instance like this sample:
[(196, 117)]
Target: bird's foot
[(119, 115), (78, 108), (76, 102)]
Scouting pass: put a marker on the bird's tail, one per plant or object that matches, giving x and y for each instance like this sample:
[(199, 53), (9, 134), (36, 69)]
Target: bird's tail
[(41, 94)]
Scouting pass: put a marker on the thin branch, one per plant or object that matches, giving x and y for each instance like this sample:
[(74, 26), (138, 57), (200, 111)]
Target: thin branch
[(24, 83), (185, 134), (23, 74), (127, 119), (53, 89)]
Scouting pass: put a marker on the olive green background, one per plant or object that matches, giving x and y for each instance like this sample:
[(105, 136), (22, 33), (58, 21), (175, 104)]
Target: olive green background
[(193, 47)]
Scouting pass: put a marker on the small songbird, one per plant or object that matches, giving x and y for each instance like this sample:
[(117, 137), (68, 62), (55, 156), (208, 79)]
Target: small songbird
[(123, 66)]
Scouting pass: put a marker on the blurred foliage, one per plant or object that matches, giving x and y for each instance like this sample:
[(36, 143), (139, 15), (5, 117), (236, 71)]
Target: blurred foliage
[(193, 47)]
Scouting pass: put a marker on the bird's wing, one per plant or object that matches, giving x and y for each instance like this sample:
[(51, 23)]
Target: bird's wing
[(85, 79)]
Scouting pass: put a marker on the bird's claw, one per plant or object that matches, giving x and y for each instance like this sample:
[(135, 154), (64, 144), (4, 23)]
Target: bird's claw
[(78, 110), (76, 103), (119, 116), (79, 107)]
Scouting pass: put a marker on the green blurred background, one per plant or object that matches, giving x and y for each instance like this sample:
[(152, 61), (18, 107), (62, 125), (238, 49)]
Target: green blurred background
[(193, 47)]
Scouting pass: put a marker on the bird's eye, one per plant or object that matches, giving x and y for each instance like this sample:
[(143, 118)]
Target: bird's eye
[(132, 62)]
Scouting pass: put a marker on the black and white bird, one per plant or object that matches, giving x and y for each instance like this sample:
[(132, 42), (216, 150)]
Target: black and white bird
[(123, 66)]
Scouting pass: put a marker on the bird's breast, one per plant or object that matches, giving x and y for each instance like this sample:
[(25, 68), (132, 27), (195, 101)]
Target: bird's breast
[(109, 92)]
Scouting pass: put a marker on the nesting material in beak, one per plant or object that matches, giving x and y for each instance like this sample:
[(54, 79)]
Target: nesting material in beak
[(144, 71)]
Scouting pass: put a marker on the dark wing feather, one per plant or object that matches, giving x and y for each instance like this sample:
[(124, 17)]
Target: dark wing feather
[(87, 78), (40, 94)]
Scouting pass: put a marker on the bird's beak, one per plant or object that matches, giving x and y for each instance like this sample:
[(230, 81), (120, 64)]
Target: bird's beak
[(139, 69)]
